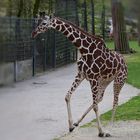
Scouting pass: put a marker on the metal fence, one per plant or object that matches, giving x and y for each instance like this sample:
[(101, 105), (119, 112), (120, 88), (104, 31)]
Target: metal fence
[(47, 51)]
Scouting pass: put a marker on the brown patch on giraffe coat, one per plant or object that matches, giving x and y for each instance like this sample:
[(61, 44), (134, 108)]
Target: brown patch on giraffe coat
[(92, 48), (82, 36), (76, 34), (115, 63), (109, 63), (66, 25), (57, 27), (106, 71), (104, 56), (89, 72), (91, 76), (85, 68), (79, 63), (95, 69), (89, 39), (85, 43), (103, 67), (100, 46), (114, 71), (53, 24), (110, 75), (66, 33), (83, 51), (117, 57), (77, 43), (71, 38), (97, 53), (58, 22), (89, 60), (99, 61), (62, 28), (69, 29)]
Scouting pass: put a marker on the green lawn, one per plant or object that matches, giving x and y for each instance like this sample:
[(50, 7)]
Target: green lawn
[(128, 111)]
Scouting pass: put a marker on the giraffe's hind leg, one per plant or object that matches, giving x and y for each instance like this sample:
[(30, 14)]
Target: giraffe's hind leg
[(78, 79), (118, 84)]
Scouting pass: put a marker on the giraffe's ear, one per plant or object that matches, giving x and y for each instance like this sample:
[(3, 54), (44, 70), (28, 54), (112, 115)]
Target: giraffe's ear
[(51, 16)]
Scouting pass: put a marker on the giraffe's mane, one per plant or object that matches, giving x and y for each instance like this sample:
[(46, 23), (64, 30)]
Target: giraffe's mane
[(75, 26)]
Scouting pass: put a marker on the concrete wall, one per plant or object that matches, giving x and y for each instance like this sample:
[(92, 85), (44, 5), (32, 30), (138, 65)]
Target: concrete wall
[(6, 73), (23, 70), (11, 72)]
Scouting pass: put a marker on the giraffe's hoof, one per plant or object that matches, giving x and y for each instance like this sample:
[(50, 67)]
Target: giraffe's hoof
[(71, 129), (104, 135), (75, 124)]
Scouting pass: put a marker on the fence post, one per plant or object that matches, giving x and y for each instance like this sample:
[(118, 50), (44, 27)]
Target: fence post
[(15, 71), (44, 45), (33, 59), (92, 17), (54, 51)]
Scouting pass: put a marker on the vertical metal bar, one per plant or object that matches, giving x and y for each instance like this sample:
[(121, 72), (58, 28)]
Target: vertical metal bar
[(76, 10), (15, 71), (44, 45), (92, 17), (54, 50), (85, 15), (103, 19), (33, 58)]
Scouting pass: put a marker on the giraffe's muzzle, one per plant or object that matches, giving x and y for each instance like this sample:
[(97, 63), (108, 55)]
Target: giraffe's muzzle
[(34, 34)]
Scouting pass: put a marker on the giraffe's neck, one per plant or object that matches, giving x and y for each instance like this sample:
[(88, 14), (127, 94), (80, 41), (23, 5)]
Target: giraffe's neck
[(85, 42)]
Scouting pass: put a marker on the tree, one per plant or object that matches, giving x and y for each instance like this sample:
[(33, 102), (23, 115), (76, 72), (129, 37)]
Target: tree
[(136, 12), (36, 7), (119, 27)]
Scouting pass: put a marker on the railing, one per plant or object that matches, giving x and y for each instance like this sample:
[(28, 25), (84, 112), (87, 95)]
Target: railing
[(49, 50)]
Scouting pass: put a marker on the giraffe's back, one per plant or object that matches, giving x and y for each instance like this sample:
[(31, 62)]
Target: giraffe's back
[(105, 66)]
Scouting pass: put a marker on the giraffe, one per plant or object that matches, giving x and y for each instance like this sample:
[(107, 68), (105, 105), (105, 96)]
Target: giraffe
[(97, 64)]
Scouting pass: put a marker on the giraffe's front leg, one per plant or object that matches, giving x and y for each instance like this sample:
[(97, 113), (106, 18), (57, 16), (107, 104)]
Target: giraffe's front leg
[(78, 79), (70, 120), (101, 132)]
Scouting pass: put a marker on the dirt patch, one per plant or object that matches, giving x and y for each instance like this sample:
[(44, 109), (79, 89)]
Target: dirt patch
[(122, 130)]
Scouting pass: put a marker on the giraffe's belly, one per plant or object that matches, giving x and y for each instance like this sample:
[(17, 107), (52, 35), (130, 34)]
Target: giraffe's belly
[(93, 71)]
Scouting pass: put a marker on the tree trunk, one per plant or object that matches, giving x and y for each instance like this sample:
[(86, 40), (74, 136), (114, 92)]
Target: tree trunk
[(119, 28), (20, 8), (139, 29), (36, 7)]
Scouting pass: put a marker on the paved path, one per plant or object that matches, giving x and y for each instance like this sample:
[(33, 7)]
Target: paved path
[(35, 109), (131, 131)]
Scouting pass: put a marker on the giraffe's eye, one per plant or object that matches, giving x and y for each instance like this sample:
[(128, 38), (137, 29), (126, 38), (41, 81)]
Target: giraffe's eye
[(43, 23)]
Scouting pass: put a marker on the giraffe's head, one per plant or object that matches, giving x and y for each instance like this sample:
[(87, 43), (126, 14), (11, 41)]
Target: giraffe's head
[(43, 23)]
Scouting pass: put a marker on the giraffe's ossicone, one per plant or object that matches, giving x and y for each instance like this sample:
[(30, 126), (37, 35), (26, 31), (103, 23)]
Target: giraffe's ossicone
[(97, 64)]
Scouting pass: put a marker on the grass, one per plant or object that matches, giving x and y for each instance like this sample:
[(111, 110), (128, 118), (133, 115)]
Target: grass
[(127, 111)]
